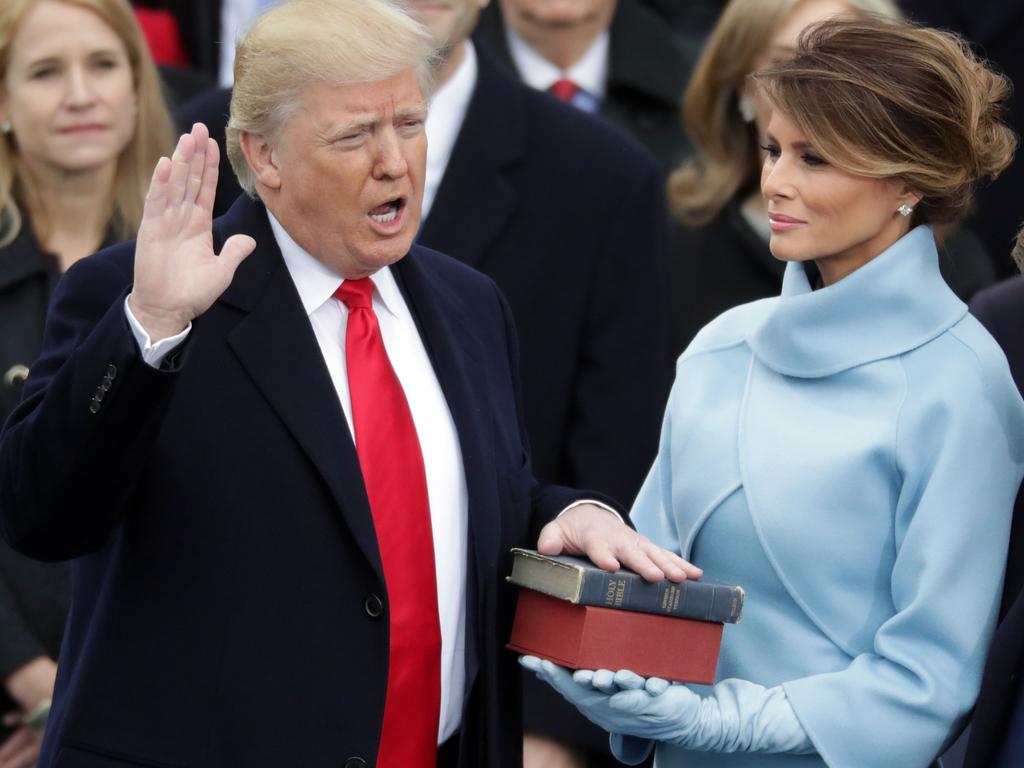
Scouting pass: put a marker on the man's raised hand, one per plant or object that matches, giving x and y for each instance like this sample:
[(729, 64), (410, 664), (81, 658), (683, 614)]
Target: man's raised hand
[(177, 274)]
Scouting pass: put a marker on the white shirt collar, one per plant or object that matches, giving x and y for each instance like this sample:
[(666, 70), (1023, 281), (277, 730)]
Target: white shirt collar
[(589, 73), (444, 121), (316, 283)]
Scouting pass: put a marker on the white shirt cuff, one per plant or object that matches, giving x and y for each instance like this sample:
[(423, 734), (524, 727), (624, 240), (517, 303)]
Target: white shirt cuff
[(596, 504), (153, 354)]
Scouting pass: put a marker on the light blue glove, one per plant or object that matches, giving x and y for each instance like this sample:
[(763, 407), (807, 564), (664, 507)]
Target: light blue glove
[(738, 716)]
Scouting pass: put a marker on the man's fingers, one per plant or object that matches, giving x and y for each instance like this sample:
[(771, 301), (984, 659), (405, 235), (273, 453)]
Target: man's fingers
[(208, 190), (196, 163), (156, 197), (235, 249), (552, 539), (180, 164), (673, 566)]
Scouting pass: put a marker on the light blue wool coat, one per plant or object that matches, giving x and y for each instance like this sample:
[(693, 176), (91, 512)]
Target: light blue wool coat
[(853, 453)]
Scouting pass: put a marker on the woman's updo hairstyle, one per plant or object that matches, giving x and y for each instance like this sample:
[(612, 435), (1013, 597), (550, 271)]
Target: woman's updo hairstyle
[(891, 99)]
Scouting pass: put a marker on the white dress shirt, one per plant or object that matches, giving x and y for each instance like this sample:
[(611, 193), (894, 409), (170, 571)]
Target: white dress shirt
[(439, 443), (444, 121), (590, 73)]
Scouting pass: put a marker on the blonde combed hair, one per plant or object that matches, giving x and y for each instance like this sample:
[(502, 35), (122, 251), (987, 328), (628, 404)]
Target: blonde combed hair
[(726, 158), (928, 113), (153, 135), (303, 41)]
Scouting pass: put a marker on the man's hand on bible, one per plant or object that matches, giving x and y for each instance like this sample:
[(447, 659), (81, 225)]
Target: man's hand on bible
[(600, 535)]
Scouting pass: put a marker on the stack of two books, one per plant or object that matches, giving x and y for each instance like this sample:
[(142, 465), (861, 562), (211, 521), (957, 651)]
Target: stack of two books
[(574, 614)]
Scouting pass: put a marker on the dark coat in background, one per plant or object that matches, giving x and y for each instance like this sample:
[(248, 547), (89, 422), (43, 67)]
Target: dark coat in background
[(225, 554), (34, 596), (648, 69), (1001, 310)]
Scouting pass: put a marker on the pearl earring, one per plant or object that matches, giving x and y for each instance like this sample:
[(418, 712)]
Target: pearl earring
[(904, 210)]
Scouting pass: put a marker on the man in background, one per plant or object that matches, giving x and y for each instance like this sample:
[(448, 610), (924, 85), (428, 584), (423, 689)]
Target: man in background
[(614, 59)]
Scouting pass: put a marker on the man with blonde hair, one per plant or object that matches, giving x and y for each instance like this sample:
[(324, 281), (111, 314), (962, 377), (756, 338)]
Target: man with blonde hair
[(290, 474)]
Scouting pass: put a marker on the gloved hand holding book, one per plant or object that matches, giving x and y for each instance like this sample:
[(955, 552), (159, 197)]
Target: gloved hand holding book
[(738, 716)]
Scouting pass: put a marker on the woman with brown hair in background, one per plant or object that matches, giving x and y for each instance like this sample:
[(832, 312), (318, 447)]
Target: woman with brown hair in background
[(82, 124), (720, 255), (848, 453)]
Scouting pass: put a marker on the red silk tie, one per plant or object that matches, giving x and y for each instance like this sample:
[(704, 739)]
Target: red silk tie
[(564, 89), (396, 485)]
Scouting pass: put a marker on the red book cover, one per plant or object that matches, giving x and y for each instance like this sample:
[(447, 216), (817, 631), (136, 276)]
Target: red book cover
[(590, 637)]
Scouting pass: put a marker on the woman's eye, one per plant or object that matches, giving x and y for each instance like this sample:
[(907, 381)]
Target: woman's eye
[(814, 160), (771, 150), (42, 73)]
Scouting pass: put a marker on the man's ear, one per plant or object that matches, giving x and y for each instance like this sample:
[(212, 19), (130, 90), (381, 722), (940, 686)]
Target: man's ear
[(262, 159)]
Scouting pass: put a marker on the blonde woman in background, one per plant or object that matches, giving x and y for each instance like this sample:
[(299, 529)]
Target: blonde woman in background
[(83, 123), (720, 254)]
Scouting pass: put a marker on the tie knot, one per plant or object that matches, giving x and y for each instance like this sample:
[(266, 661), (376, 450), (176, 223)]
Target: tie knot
[(564, 89), (356, 294)]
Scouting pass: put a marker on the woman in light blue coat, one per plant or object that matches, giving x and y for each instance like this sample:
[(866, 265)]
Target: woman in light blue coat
[(849, 452)]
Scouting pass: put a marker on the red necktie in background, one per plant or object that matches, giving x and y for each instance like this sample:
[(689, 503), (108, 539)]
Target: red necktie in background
[(392, 464), (564, 89)]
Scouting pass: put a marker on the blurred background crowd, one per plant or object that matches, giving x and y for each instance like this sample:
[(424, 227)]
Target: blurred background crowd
[(600, 159)]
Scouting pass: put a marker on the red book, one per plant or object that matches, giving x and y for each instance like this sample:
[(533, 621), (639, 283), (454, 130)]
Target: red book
[(590, 637)]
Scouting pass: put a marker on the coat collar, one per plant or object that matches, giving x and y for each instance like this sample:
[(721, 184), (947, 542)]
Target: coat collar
[(477, 194), (891, 305)]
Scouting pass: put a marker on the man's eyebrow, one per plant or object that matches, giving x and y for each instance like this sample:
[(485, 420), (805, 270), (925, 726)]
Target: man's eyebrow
[(352, 126), (414, 110)]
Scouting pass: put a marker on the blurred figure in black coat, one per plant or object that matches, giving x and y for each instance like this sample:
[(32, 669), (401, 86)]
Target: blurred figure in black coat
[(624, 63)]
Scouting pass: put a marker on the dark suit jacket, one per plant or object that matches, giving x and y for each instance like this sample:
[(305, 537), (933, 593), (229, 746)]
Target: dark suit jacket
[(1001, 310), (224, 545), (34, 597), (647, 72)]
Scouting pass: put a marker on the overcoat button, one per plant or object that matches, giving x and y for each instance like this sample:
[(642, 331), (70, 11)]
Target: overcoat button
[(355, 762), (94, 407), (100, 393), (374, 608), (111, 371)]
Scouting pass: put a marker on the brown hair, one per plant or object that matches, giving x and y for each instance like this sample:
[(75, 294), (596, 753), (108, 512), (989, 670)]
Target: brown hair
[(726, 157), (154, 132), (926, 112)]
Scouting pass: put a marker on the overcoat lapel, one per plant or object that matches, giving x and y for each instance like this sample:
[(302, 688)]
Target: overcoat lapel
[(276, 345), (477, 195)]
